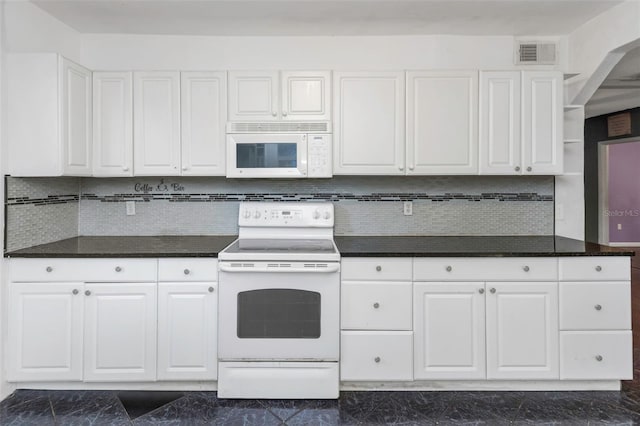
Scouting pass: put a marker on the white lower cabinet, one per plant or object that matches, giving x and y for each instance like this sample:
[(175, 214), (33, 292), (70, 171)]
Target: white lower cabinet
[(592, 355), (449, 325), (45, 331), (376, 356), (120, 332), (522, 330), (187, 331)]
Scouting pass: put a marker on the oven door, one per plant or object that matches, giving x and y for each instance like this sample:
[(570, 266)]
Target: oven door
[(267, 155), (279, 311)]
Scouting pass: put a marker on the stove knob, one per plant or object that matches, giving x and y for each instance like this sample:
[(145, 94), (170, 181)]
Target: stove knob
[(256, 214), (316, 214), (327, 215), (246, 214)]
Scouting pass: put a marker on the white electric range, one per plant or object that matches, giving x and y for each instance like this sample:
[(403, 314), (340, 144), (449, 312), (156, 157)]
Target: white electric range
[(279, 304)]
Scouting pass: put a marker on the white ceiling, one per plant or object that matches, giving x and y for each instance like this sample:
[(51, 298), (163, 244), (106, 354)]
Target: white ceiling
[(326, 17)]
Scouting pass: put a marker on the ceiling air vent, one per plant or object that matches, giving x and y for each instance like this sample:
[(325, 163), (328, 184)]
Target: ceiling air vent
[(532, 53)]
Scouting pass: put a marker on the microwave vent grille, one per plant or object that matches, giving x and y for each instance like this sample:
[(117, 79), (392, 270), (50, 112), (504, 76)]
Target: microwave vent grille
[(278, 127)]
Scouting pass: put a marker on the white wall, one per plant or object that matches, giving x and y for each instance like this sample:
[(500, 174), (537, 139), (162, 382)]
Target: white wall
[(145, 52)]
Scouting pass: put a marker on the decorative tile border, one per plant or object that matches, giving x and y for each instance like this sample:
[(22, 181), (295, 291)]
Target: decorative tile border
[(50, 199)]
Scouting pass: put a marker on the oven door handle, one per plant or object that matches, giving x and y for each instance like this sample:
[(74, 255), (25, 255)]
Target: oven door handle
[(280, 269)]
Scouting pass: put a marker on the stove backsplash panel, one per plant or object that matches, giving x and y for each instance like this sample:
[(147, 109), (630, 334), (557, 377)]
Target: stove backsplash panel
[(364, 205)]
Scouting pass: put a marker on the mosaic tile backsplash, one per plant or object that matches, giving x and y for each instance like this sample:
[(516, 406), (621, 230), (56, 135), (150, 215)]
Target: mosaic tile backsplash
[(364, 205)]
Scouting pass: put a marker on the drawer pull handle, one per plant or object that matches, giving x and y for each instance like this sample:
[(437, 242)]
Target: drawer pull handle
[(87, 293), (598, 307), (377, 359), (599, 358), (598, 268), (526, 269), (493, 290), (378, 268), (481, 290), (75, 291), (187, 272), (449, 269), (211, 289), (49, 269), (118, 269), (376, 305)]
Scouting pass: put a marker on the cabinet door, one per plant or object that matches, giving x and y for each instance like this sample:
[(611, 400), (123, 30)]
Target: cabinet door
[(442, 122), (120, 332), (76, 118), (542, 123), (369, 123), (449, 331), (500, 152), (306, 95), (156, 123), (187, 331), (45, 332), (253, 95), (112, 124), (522, 330), (204, 116)]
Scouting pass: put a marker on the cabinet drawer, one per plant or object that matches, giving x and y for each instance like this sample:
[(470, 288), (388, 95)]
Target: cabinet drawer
[(87, 270), (375, 268), (188, 269), (596, 355), (377, 355), (595, 306), (483, 269), (595, 268), (376, 305)]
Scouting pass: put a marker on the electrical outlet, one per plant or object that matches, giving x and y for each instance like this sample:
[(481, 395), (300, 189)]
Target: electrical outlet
[(131, 207), (407, 208), (619, 227)]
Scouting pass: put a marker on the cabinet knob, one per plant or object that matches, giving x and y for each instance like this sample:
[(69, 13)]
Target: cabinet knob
[(376, 305), (449, 268), (87, 293), (598, 307), (411, 167), (118, 269), (517, 168), (598, 268), (599, 358), (377, 359), (49, 269), (274, 114), (75, 291), (211, 289), (401, 168), (481, 290), (525, 268), (529, 169), (493, 291), (187, 272), (125, 169), (185, 168), (284, 113), (378, 268)]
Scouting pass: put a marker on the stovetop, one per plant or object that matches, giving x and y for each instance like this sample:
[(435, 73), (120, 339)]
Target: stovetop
[(316, 249)]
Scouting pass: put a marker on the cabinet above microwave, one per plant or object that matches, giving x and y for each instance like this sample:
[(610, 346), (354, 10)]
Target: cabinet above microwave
[(279, 95)]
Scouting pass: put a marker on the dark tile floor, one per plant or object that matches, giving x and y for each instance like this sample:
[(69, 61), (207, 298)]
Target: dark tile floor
[(31, 407)]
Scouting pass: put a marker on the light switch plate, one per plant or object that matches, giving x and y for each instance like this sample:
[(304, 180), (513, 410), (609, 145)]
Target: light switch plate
[(407, 208), (131, 208)]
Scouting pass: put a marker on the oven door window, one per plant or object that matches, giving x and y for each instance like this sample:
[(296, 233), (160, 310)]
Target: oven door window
[(266, 155), (278, 314)]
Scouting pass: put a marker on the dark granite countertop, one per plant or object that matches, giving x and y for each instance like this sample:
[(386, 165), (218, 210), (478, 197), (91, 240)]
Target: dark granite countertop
[(481, 246), (160, 246), (352, 246)]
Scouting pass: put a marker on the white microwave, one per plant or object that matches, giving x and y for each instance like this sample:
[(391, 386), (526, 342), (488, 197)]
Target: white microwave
[(279, 155)]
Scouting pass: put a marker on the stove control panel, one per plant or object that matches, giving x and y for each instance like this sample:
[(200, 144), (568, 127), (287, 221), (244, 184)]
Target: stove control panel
[(286, 214)]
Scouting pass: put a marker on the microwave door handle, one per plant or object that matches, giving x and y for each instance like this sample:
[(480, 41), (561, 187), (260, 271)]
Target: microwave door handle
[(277, 269)]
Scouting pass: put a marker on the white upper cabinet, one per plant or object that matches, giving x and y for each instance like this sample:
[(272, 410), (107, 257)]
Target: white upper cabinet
[(500, 113), (112, 124), (48, 116), (156, 123), (369, 123), (542, 126), (274, 95), (204, 116), (442, 122)]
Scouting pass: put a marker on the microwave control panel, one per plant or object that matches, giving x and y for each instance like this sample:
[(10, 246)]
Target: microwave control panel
[(319, 156)]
